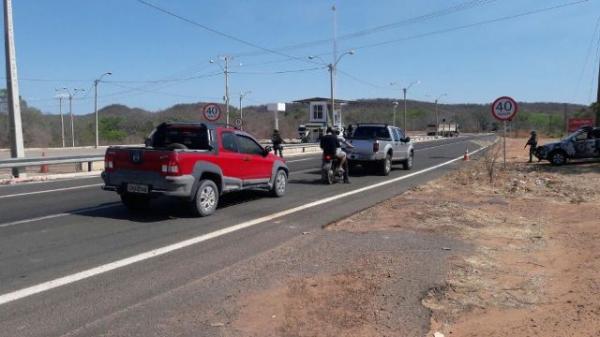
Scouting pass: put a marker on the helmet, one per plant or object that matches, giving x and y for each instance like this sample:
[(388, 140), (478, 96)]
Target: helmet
[(533, 132)]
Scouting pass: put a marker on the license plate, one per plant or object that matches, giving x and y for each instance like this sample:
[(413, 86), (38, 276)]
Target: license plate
[(137, 188)]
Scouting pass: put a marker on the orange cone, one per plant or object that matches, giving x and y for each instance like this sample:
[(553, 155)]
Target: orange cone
[(44, 167), (466, 155)]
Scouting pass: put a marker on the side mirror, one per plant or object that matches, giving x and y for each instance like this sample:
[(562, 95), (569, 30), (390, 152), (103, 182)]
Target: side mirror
[(267, 150), (406, 140), (148, 142)]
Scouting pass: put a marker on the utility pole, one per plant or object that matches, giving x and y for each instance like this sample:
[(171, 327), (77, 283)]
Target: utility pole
[(17, 149), (566, 118), (225, 69), (96, 102), (332, 66), (71, 94), (437, 118)]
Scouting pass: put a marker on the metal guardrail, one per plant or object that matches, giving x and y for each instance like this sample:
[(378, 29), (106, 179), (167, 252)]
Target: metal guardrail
[(38, 161)]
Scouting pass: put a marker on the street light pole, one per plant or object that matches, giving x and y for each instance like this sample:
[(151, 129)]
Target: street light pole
[(404, 90), (395, 106), (242, 95), (96, 102), (17, 149), (62, 121), (332, 70)]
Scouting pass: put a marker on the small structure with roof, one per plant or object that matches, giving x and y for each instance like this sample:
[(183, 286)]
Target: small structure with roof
[(319, 112)]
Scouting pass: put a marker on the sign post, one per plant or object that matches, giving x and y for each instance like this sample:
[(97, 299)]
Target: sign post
[(212, 112), (504, 109), (276, 108)]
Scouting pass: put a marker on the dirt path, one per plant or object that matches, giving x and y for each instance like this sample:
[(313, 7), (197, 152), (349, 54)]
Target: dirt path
[(535, 270)]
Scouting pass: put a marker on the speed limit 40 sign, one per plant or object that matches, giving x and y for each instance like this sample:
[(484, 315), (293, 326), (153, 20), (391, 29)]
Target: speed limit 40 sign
[(505, 108), (211, 112)]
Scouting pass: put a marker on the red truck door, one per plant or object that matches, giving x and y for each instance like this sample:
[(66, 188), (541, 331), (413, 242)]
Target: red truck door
[(231, 161), (258, 166)]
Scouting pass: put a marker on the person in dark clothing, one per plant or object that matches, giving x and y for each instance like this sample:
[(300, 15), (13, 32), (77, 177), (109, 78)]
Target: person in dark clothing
[(532, 143), (277, 141), (349, 131), (331, 146)]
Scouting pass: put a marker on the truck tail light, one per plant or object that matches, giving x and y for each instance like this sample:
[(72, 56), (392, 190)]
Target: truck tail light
[(170, 168), (376, 147), (109, 161)]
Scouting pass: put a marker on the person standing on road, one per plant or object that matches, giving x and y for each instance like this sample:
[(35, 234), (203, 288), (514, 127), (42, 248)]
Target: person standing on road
[(532, 143), (277, 141)]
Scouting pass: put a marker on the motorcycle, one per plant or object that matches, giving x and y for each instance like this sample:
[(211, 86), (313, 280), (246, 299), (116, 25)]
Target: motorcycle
[(330, 170)]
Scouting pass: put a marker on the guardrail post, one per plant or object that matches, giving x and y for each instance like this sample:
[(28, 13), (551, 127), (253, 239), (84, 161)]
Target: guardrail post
[(90, 164)]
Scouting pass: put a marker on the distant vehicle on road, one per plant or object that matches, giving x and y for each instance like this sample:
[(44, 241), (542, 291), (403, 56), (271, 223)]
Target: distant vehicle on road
[(380, 145), (443, 129), (583, 143), (195, 162)]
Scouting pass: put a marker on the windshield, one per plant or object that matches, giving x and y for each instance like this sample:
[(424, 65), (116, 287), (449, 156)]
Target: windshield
[(371, 132)]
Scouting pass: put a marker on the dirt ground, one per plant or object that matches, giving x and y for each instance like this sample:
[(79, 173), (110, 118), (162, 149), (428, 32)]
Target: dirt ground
[(535, 268)]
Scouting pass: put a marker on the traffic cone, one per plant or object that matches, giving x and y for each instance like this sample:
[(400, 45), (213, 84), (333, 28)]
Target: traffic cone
[(466, 155), (44, 167)]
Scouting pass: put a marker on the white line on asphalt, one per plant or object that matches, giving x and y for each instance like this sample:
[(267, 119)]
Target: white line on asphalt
[(52, 216), (49, 191), (297, 160), (45, 286)]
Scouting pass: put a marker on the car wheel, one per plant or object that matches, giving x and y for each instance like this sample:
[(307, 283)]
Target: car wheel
[(280, 184), (206, 199), (408, 163), (558, 158), (135, 202), (386, 166)]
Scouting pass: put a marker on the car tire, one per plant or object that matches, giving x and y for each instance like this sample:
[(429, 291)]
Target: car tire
[(385, 166), (408, 163), (279, 184), (206, 199), (558, 158), (135, 202)]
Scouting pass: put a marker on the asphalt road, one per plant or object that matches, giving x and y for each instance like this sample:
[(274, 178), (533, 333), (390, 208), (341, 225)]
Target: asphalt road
[(58, 229)]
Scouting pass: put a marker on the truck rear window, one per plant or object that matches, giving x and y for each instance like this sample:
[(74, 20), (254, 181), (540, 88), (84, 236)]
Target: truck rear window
[(194, 138), (371, 132)]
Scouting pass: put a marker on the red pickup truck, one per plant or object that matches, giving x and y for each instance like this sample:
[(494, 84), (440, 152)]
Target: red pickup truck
[(196, 162)]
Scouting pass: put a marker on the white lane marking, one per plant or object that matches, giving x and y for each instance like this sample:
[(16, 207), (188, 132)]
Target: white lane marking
[(45, 286), (52, 216), (305, 159), (49, 191)]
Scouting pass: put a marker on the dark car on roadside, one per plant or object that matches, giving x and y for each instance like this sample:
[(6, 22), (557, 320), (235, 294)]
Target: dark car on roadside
[(582, 144)]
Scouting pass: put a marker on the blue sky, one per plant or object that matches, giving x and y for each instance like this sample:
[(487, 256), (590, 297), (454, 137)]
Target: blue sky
[(67, 43)]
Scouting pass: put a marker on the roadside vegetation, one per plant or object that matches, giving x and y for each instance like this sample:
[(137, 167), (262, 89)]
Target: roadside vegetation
[(120, 124)]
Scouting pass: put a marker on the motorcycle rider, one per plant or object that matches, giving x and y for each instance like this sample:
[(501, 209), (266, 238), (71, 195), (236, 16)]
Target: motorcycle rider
[(331, 145)]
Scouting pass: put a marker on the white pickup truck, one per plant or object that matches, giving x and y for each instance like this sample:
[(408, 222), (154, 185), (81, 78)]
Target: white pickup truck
[(380, 145)]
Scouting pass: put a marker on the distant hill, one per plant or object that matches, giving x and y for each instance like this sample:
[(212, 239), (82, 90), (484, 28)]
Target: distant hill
[(120, 124)]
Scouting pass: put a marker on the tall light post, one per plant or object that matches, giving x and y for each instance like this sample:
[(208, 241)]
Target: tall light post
[(71, 94), (437, 119), (17, 149), (62, 118), (332, 71), (96, 81), (225, 69), (404, 91), (243, 94)]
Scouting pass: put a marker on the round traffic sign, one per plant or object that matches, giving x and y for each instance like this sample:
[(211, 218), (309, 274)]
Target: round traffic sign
[(238, 122), (505, 108), (211, 112)]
